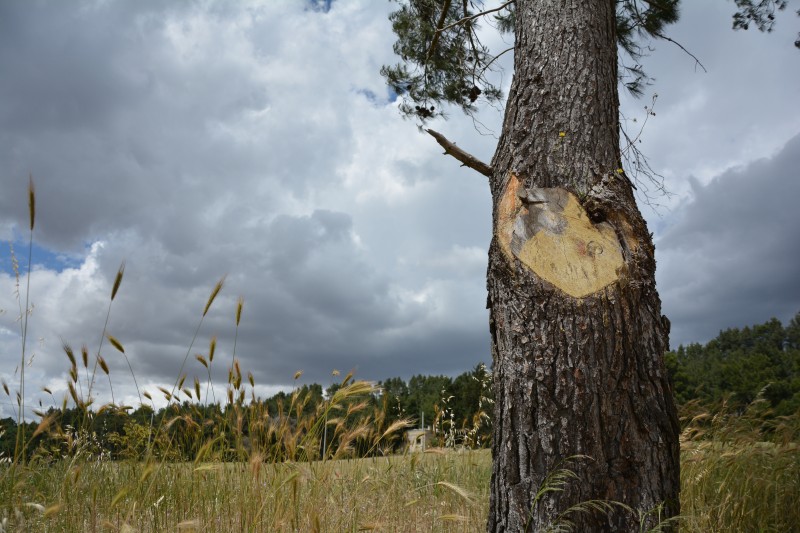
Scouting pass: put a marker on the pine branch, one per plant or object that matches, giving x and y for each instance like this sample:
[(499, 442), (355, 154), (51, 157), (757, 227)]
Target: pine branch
[(438, 31), (476, 15), (467, 160)]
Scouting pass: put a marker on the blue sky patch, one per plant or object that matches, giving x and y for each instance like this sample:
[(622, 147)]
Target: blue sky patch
[(376, 99), (321, 5), (41, 257)]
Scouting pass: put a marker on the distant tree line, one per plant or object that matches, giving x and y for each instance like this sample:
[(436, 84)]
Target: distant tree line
[(289, 425), (736, 368), (741, 365)]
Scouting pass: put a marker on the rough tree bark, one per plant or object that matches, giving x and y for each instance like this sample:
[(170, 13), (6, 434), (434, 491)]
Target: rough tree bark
[(577, 332)]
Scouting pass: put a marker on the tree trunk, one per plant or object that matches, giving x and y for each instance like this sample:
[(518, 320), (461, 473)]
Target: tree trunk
[(577, 332)]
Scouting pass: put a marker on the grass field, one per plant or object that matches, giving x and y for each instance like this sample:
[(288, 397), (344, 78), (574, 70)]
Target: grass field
[(420, 492), (725, 487)]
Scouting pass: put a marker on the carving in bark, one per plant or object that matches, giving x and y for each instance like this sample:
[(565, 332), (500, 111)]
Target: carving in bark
[(550, 233)]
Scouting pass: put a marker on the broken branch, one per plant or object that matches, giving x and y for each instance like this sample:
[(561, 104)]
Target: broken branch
[(468, 160)]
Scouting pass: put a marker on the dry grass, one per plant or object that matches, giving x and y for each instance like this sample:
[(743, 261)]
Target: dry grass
[(740, 471), (422, 492), (726, 488)]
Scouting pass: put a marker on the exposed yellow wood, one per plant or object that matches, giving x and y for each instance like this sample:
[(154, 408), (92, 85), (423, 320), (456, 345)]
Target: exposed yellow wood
[(510, 205), (549, 232)]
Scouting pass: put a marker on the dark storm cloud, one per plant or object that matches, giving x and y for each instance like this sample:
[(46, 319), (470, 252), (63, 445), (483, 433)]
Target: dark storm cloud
[(323, 305), (733, 257), (314, 302)]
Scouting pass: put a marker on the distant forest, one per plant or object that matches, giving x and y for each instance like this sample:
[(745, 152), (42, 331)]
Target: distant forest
[(735, 369), (741, 365)]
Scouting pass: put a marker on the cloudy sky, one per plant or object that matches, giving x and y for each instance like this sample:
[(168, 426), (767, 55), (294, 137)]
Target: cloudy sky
[(257, 140)]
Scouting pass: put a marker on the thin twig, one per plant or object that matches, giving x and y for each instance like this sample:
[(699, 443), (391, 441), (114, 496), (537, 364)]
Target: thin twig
[(495, 58), (679, 45)]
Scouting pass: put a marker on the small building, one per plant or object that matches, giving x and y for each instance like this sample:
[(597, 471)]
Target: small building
[(419, 440)]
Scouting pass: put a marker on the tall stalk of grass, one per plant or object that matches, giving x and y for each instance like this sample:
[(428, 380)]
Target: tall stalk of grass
[(152, 468), (103, 333), (19, 449), (211, 297)]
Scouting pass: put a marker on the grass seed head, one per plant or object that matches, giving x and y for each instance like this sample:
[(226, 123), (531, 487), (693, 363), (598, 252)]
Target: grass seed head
[(256, 462), (396, 426), (189, 525), (43, 425), (239, 305), (68, 350), (147, 472), (31, 200), (115, 343), (39, 507), (212, 348), (102, 363), (119, 497), (117, 280), (237, 382), (469, 498), (53, 510), (73, 393), (166, 393), (214, 292)]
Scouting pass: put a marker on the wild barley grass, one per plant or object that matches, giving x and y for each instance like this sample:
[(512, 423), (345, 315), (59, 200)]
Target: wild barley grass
[(725, 488), (740, 471), (741, 486), (423, 492)]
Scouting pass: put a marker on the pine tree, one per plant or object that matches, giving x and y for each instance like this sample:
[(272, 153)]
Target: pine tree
[(577, 332)]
